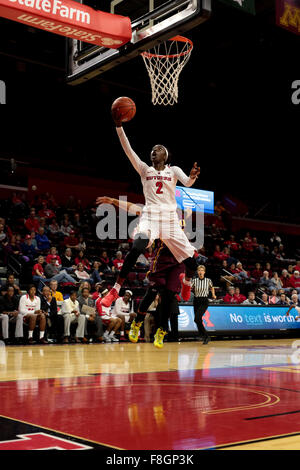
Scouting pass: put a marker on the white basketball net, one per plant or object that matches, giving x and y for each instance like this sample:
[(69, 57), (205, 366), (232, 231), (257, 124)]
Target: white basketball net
[(164, 64)]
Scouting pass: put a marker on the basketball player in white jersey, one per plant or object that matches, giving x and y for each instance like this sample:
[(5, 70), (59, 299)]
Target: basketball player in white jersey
[(159, 218)]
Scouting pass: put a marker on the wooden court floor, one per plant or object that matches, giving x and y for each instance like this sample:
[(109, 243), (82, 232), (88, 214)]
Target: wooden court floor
[(226, 395)]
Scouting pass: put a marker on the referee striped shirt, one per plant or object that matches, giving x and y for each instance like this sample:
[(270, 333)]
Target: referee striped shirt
[(201, 286)]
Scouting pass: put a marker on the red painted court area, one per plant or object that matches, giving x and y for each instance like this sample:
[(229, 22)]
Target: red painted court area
[(175, 410)]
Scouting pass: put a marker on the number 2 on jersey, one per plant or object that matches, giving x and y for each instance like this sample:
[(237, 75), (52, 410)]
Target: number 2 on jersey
[(159, 185)]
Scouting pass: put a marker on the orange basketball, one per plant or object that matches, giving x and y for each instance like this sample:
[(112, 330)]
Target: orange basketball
[(123, 109)]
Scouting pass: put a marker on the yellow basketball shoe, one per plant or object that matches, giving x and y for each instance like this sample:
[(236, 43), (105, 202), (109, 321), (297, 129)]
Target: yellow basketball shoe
[(133, 334), (159, 338)]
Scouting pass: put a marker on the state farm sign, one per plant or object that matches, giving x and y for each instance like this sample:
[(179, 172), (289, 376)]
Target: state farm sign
[(71, 19)]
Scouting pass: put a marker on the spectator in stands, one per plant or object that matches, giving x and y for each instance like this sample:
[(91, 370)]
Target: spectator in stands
[(239, 297), (257, 272), (81, 274), (11, 281), (294, 291), (71, 314), (45, 212), (12, 247), (275, 253), (81, 258), (295, 281), (266, 281), (220, 255), (96, 273), (93, 321), (33, 240), (149, 254), (18, 206), (9, 304), (105, 261), (6, 228), (66, 228), (55, 293), (297, 266), (28, 249), (276, 281), (53, 254), (255, 244), (32, 223), (215, 233), (283, 300), (124, 309), (54, 273), (269, 269), (232, 270), (81, 243), (264, 299), (3, 237), (295, 299), (275, 239), (71, 241), (273, 299), (38, 274), (98, 287), (54, 230), (55, 322), (230, 297), (30, 309), (118, 262), (234, 246), (242, 274), (247, 243), (83, 285), (43, 242), (67, 261), (112, 324), (77, 224), (251, 299)]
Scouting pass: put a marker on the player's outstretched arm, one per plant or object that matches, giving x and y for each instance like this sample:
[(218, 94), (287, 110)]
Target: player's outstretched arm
[(133, 157), (183, 178), (125, 205)]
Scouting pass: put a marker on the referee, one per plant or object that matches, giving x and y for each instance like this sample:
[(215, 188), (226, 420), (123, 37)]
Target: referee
[(201, 286)]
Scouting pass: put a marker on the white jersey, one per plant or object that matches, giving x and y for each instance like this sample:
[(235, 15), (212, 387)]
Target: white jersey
[(159, 217), (158, 186), (122, 308), (26, 305)]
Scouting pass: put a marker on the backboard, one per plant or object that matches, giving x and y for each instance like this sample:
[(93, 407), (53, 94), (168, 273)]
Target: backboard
[(152, 21)]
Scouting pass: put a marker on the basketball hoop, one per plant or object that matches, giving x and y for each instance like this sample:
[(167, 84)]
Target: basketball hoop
[(164, 64)]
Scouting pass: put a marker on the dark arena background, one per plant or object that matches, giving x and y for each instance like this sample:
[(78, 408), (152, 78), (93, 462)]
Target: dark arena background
[(237, 116)]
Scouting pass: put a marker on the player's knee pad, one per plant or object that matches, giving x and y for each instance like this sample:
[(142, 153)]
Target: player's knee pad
[(190, 267)]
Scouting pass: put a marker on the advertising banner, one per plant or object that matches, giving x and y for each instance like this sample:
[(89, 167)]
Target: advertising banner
[(70, 19), (195, 199), (238, 318)]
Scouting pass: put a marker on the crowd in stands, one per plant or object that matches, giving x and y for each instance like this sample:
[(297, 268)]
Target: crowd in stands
[(57, 270)]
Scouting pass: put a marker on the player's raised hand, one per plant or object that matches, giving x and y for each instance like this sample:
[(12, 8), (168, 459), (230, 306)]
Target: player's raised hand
[(195, 171), (116, 118), (104, 200)]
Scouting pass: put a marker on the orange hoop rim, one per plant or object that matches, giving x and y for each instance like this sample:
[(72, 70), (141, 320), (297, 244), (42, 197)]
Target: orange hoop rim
[(149, 55)]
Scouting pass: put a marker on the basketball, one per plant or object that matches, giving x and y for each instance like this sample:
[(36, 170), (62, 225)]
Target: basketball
[(123, 109)]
